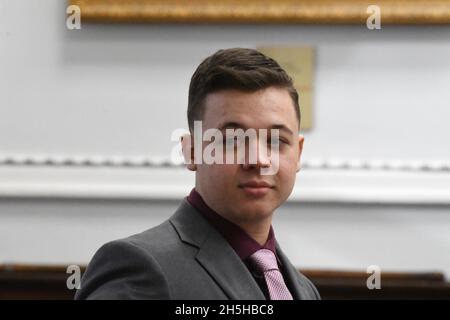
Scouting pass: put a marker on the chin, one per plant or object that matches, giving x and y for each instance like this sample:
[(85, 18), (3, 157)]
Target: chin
[(257, 210)]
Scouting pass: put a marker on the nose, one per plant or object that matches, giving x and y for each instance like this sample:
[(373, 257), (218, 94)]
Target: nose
[(256, 155)]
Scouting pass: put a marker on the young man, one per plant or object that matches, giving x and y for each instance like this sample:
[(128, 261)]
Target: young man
[(220, 244)]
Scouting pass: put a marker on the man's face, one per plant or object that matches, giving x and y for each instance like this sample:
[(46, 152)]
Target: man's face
[(227, 188)]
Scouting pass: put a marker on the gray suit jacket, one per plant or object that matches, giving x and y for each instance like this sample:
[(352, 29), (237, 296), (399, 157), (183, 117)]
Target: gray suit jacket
[(182, 258)]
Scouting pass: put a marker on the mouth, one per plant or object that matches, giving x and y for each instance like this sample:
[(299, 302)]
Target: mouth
[(256, 188)]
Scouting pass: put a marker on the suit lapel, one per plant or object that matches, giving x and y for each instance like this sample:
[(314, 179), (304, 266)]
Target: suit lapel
[(227, 269), (215, 254), (290, 275)]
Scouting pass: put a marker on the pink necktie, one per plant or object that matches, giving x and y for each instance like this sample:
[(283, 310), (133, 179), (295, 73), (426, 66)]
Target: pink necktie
[(265, 262)]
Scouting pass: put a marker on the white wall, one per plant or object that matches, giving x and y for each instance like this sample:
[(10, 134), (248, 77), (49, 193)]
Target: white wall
[(120, 90)]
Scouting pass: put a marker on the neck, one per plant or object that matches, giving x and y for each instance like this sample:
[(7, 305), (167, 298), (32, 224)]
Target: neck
[(258, 229)]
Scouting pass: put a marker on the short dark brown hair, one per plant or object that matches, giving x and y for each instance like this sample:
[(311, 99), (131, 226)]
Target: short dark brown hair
[(236, 68)]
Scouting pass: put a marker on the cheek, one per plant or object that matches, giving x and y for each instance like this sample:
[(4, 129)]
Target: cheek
[(218, 176), (287, 173)]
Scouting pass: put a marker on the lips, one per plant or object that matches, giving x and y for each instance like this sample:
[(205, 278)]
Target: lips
[(255, 184), (256, 188)]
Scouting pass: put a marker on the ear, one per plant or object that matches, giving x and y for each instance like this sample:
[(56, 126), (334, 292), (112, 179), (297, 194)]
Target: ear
[(301, 139), (187, 147)]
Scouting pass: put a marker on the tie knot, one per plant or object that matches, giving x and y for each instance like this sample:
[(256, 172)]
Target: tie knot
[(264, 260)]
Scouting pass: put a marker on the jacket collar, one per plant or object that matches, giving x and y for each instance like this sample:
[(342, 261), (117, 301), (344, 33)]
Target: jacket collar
[(194, 230)]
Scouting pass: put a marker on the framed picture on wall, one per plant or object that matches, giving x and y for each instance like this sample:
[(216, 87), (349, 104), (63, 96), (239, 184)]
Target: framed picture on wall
[(265, 11)]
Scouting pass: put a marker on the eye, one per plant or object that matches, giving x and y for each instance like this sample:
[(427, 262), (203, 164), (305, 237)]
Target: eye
[(230, 141), (277, 141)]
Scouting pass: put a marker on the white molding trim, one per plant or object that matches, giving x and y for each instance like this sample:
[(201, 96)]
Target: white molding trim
[(99, 161), (161, 182)]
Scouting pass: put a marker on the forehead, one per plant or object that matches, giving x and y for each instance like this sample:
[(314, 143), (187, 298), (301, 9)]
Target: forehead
[(260, 109)]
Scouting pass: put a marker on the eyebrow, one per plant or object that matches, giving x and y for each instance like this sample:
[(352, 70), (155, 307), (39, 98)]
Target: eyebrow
[(237, 125)]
